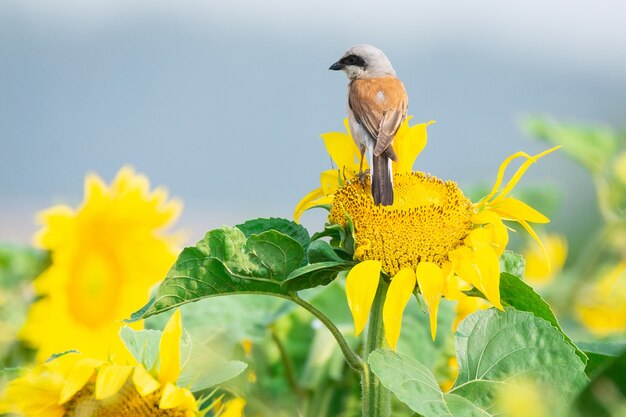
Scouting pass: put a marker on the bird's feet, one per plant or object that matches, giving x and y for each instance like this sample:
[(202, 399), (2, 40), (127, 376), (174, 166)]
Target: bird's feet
[(362, 176)]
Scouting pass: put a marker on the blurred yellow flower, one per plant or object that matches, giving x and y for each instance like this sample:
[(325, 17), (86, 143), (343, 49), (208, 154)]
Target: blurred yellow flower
[(602, 310), (429, 236), (522, 397), (232, 408), (105, 257), (542, 268), (78, 385)]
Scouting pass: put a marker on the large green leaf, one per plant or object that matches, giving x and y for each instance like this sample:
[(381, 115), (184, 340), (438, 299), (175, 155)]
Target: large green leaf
[(515, 293), (494, 346), (493, 349), (225, 262), (414, 384)]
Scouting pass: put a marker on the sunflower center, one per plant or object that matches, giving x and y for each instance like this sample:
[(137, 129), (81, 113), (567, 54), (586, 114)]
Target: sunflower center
[(428, 219), (93, 289), (126, 403)]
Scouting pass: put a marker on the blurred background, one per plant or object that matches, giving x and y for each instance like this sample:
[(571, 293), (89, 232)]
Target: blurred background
[(223, 102)]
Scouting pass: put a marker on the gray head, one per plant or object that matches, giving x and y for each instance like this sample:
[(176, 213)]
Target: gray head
[(364, 61)]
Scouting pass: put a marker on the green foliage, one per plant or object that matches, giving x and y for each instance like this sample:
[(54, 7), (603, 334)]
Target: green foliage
[(592, 146), (604, 396), (226, 262), (491, 347), (143, 345), (19, 264)]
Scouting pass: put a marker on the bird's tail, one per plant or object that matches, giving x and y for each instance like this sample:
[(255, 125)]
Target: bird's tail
[(382, 184)]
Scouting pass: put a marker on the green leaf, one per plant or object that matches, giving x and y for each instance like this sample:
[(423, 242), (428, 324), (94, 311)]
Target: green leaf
[(321, 251), (515, 293), (292, 229), (143, 345), (512, 263), (225, 262), (494, 346), (600, 355), (339, 237), (201, 368), (313, 275), (414, 384), (493, 349)]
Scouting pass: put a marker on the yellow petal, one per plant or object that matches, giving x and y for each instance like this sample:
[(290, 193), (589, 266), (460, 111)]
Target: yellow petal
[(174, 396), (169, 350), (312, 199), (110, 379), (493, 222), (80, 373), (431, 280), (488, 263), (144, 382), (398, 296), (501, 170), (408, 144), (533, 234), (522, 169), (515, 209), (342, 150), (518, 174), (361, 287), (329, 181)]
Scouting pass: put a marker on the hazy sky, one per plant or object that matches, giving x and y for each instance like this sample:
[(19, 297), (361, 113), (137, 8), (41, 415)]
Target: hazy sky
[(223, 102)]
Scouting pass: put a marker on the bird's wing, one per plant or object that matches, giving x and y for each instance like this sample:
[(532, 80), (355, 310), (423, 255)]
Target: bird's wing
[(380, 106)]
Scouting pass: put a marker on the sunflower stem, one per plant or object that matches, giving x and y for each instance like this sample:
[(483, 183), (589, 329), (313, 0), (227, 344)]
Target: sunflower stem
[(376, 398), (352, 358)]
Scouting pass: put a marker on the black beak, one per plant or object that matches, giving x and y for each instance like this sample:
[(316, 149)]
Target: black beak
[(337, 66)]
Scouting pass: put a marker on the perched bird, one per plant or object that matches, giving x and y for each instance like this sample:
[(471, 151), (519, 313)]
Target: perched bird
[(377, 105)]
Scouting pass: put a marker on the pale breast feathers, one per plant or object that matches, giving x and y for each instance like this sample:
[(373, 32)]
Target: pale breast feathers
[(380, 106)]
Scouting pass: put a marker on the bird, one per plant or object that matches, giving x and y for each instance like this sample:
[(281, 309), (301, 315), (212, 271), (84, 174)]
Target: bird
[(377, 106)]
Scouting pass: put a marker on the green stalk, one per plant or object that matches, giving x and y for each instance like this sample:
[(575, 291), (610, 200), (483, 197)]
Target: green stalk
[(376, 398), (352, 358)]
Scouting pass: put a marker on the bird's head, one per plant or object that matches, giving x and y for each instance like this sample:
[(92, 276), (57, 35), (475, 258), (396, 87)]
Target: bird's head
[(364, 61)]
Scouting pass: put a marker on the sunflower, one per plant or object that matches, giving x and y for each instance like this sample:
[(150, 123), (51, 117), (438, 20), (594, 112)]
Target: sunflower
[(603, 308), (539, 271), (106, 255), (432, 238), (75, 385)]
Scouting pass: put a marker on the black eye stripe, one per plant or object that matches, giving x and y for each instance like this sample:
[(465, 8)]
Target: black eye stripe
[(355, 60)]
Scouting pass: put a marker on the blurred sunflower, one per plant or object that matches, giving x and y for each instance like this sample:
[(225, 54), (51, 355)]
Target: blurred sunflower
[(539, 269), (79, 385), (428, 238), (602, 310), (105, 257)]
